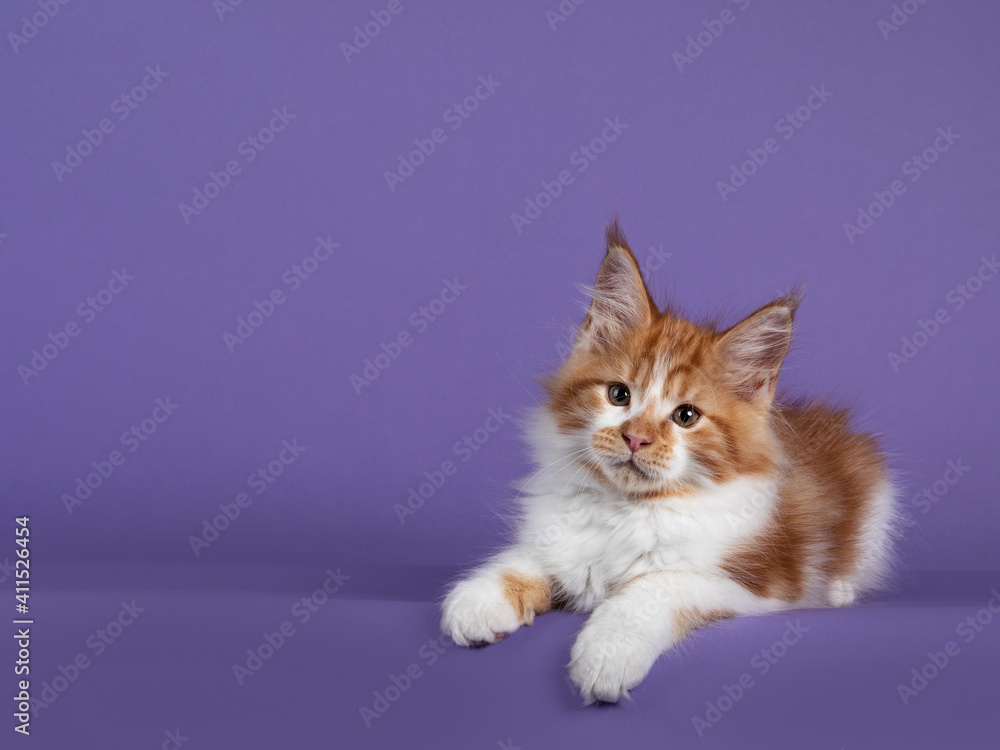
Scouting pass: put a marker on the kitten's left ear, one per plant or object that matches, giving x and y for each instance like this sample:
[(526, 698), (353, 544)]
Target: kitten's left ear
[(754, 348), (621, 301)]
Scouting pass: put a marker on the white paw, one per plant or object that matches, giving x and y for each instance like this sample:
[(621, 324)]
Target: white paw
[(608, 660), (841, 593), (476, 612)]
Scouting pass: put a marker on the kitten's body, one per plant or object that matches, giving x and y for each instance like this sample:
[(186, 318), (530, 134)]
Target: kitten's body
[(768, 533), (753, 507)]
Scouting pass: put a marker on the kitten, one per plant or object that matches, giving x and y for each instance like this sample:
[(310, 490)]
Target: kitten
[(674, 490)]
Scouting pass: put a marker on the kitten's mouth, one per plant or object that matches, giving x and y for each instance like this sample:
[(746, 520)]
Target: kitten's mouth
[(632, 466)]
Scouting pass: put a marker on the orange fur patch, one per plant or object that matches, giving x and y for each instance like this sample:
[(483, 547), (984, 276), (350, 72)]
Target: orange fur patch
[(529, 596), (688, 618), (831, 479)]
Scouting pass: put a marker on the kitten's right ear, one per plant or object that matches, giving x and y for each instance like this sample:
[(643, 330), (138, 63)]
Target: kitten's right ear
[(621, 301)]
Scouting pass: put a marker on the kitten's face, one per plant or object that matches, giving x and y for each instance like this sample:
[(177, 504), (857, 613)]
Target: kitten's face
[(657, 405)]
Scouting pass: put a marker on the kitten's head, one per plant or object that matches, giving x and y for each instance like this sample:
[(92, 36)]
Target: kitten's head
[(657, 405)]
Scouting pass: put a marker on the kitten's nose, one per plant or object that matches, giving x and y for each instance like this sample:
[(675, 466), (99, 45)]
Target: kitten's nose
[(636, 440)]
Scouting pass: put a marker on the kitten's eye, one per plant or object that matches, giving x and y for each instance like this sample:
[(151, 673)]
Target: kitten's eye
[(685, 415), (618, 394)]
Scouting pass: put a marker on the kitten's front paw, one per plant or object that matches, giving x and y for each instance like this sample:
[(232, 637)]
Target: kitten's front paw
[(607, 661), (476, 613)]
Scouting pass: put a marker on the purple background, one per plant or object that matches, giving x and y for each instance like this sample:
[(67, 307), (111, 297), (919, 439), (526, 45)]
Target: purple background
[(323, 175)]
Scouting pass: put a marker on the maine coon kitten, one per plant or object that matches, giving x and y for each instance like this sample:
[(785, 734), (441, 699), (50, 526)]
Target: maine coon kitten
[(674, 490)]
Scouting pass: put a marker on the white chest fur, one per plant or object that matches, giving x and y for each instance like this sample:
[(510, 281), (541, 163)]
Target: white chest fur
[(591, 543)]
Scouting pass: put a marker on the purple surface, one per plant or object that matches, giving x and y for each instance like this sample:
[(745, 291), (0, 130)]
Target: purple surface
[(881, 96), (834, 686)]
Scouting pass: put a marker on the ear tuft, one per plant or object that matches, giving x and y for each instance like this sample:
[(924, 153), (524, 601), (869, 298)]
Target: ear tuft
[(614, 236), (792, 299)]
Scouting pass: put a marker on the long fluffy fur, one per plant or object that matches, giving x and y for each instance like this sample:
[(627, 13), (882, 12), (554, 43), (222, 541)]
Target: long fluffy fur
[(757, 506)]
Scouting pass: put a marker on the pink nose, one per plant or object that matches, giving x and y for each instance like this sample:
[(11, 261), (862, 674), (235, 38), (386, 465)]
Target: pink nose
[(636, 441)]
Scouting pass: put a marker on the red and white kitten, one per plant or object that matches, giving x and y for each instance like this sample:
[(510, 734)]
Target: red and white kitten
[(674, 490)]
